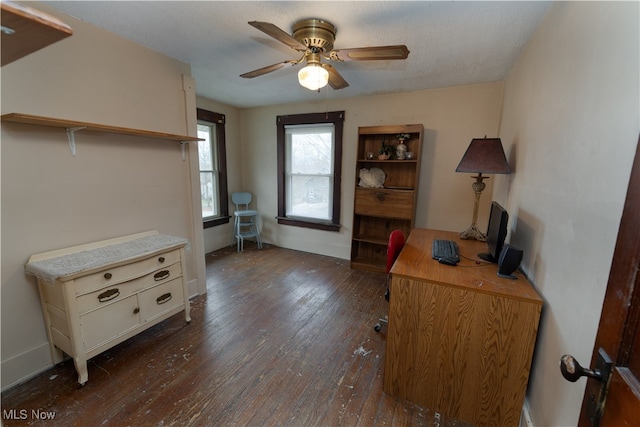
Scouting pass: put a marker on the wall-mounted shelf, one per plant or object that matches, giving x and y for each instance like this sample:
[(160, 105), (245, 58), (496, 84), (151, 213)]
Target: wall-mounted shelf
[(25, 30), (73, 126)]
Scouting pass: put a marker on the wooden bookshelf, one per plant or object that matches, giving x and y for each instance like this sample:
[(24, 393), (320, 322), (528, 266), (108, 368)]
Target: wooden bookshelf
[(378, 211)]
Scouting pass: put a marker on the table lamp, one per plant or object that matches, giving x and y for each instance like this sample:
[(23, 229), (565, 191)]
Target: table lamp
[(484, 155)]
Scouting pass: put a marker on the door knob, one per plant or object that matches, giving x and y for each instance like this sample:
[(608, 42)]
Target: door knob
[(572, 371)]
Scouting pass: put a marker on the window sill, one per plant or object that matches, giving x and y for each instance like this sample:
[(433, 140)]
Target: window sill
[(324, 226), (213, 222)]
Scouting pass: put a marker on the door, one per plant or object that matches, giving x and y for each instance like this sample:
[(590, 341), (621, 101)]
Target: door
[(619, 329)]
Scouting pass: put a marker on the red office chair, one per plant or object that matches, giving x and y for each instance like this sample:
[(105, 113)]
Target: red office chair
[(395, 245)]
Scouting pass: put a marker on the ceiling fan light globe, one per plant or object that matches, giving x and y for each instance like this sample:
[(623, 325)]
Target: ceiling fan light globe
[(313, 77)]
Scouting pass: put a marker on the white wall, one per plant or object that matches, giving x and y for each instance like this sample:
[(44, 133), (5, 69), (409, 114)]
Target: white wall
[(116, 185), (451, 118), (570, 127)]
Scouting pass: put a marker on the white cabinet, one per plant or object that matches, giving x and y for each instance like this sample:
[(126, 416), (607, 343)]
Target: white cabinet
[(97, 295)]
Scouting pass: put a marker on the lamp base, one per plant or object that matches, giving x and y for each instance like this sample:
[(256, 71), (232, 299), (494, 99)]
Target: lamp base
[(473, 233)]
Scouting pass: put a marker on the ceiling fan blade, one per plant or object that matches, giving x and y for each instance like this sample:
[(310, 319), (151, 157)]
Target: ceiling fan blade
[(278, 34), (336, 81), (267, 69), (370, 53)]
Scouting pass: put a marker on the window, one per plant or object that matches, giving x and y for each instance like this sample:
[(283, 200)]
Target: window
[(309, 170), (213, 168)]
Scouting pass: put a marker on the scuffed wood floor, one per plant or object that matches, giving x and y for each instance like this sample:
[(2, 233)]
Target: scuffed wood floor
[(283, 338)]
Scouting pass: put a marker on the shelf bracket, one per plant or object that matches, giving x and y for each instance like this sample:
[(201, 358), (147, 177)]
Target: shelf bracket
[(183, 148), (71, 134)]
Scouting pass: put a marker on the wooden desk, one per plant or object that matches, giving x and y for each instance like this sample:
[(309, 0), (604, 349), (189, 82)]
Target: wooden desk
[(460, 339)]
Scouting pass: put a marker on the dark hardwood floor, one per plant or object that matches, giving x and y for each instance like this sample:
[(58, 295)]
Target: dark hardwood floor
[(283, 338)]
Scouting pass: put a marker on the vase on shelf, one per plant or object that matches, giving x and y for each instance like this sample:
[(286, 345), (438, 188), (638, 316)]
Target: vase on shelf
[(401, 150)]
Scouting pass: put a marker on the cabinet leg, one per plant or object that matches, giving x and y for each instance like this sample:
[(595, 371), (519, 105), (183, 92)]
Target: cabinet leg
[(81, 368)]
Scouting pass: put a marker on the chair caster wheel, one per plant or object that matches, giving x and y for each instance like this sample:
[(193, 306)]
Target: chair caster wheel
[(377, 327)]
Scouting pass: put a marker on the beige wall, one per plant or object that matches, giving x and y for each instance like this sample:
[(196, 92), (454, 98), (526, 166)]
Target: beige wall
[(116, 185), (570, 127), (451, 118)]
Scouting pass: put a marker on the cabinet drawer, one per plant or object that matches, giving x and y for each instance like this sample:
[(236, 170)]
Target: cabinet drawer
[(100, 326), (384, 203), (110, 294), (161, 299), (111, 276)]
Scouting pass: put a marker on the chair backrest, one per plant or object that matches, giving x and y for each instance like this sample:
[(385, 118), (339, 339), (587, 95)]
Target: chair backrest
[(396, 242), (241, 200)]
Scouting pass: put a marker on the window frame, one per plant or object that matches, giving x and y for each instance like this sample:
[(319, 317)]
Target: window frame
[(217, 120), (337, 119)]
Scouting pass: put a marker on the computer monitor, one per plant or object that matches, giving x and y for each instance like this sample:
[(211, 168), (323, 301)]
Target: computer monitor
[(496, 232)]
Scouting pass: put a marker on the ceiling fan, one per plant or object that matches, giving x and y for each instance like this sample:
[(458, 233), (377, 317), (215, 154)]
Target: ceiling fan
[(314, 39)]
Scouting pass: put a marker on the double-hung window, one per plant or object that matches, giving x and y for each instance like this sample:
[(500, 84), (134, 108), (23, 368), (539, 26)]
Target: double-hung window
[(213, 170), (309, 170)]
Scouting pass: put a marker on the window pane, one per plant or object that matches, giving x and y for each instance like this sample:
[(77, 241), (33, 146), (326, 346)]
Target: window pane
[(309, 171), (209, 199), (213, 168), (204, 148), (311, 153), (310, 197)]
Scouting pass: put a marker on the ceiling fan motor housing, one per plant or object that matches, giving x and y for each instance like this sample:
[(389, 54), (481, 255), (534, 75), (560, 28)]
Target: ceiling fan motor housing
[(315, 33)]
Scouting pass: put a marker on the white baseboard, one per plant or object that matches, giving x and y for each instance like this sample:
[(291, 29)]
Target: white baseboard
[(525, 418), (192, 286), (23, 366)]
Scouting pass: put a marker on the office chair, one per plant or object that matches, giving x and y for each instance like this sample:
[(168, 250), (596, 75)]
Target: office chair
[(395, 245), (245, 224)]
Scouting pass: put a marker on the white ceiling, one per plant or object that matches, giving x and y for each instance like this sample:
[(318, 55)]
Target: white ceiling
[(451, 43)]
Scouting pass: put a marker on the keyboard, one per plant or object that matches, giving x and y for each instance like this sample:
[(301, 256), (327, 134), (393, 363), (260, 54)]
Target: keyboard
[(445, 249)]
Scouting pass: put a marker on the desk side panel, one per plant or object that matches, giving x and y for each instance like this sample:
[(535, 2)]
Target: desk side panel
[(465, 354)]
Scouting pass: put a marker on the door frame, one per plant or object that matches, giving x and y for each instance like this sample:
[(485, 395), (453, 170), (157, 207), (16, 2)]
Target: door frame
[(617, 310)]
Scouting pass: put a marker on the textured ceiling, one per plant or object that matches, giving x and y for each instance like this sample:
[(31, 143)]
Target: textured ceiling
[(451, 43)]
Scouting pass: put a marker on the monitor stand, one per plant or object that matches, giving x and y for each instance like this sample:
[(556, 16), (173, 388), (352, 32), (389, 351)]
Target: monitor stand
[(487, 257)]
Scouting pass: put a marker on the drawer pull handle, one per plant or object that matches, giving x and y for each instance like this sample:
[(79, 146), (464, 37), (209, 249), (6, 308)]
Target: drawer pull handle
[(108, 276), (381, 196), (136, 310), (161, 259), (164, 298), (161, 275), (109, 295)]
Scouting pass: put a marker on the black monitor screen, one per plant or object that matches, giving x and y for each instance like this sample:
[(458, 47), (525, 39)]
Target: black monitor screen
[(496, 232)]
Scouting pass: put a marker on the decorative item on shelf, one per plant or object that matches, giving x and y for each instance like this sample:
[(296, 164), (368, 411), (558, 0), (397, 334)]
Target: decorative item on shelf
[(401, 149), (370, 155), (484, 155), (409, 155), (386, 150), (372, 178)]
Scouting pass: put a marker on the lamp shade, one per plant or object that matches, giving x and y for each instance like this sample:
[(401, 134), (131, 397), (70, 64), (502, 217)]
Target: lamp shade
[(313, 77), (484, 155)]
